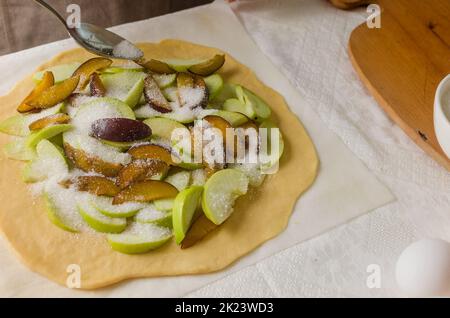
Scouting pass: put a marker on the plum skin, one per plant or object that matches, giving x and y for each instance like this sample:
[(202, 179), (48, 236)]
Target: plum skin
[(119, 129)]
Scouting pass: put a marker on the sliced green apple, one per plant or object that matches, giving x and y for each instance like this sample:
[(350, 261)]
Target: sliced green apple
[(15, 126), (179, 180), (198, 177), (250, 99), (164, 204), (119, 69), (46, 133), (215, 85), (150, 214), (164, 80), (182, 65), (60, 72), (163, 127), (124, 210), (220, 192), (18, 150), (99, 108), (50, 161), (234, 118), (139, 238), (61, 208), (237, 106), (126, 86), (170, 93), (273, 158), (252, 171), (184, 207), (100, 222)]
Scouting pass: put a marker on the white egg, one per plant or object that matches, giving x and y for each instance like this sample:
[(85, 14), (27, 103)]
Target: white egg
[(423, 269)]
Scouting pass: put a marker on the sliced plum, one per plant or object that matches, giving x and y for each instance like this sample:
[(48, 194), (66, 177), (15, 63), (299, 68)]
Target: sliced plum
[(154, 97), (120, 129)]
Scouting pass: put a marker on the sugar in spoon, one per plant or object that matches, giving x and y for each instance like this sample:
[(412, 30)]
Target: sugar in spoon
[(97, 40)]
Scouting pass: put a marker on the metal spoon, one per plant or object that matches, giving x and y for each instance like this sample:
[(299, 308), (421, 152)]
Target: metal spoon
[(98, 40)]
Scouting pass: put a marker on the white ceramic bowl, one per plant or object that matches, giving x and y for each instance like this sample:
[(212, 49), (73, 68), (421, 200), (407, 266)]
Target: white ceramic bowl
[(442, 114)]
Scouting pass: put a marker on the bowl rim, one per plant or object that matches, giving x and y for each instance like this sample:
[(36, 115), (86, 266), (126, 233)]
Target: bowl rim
[(439, 94)]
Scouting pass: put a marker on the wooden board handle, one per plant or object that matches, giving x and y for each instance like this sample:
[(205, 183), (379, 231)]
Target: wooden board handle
[(349, 4)]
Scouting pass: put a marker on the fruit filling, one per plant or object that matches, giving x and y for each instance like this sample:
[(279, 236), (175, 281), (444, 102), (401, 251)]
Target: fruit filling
[(100, 146)]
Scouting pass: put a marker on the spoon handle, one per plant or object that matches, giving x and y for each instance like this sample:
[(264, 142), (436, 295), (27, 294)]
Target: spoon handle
[(52, 10)]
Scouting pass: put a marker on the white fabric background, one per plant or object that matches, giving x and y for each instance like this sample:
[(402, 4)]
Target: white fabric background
[(307, 40)]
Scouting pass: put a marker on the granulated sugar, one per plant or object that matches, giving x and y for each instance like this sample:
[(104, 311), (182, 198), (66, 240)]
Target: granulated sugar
[(127, 50)]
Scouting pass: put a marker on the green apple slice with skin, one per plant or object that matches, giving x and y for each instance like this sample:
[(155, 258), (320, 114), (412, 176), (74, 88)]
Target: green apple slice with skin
[(62, 207), (104, 205), (164, 80), (250, 99), (220, 192), (14, 126), (269, 125), (185, 118), (49, 162), (18, 150), (139, 238), (179, 180), (60, 72), (198, 177), (170, 93), (237, 106), (184, 207), (164, 127), (228, 91), (181, 65), (118, 69), (46, 133), (126, 86), (163, 204), (252, 171), (99, 221), (215, 85), (150, 214), (17, 125), (234, 118)]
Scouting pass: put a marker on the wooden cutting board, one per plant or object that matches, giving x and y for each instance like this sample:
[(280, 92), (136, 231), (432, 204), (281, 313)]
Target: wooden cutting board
[(403, 62)]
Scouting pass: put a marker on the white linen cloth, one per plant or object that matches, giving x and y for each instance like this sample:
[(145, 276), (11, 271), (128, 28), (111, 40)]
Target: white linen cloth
[(333, 264)]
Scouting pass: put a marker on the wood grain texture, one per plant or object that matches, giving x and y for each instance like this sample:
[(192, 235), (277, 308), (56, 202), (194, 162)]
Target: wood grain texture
[(403, 62)]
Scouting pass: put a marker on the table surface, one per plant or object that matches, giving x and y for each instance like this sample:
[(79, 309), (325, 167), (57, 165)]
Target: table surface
[(307, 40)]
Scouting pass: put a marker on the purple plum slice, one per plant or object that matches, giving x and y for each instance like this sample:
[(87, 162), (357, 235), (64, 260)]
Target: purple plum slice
[(119, 129), (154, 97)]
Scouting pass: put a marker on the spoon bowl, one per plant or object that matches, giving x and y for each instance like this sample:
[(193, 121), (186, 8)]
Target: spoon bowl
[(104, 43), (98, 40)]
